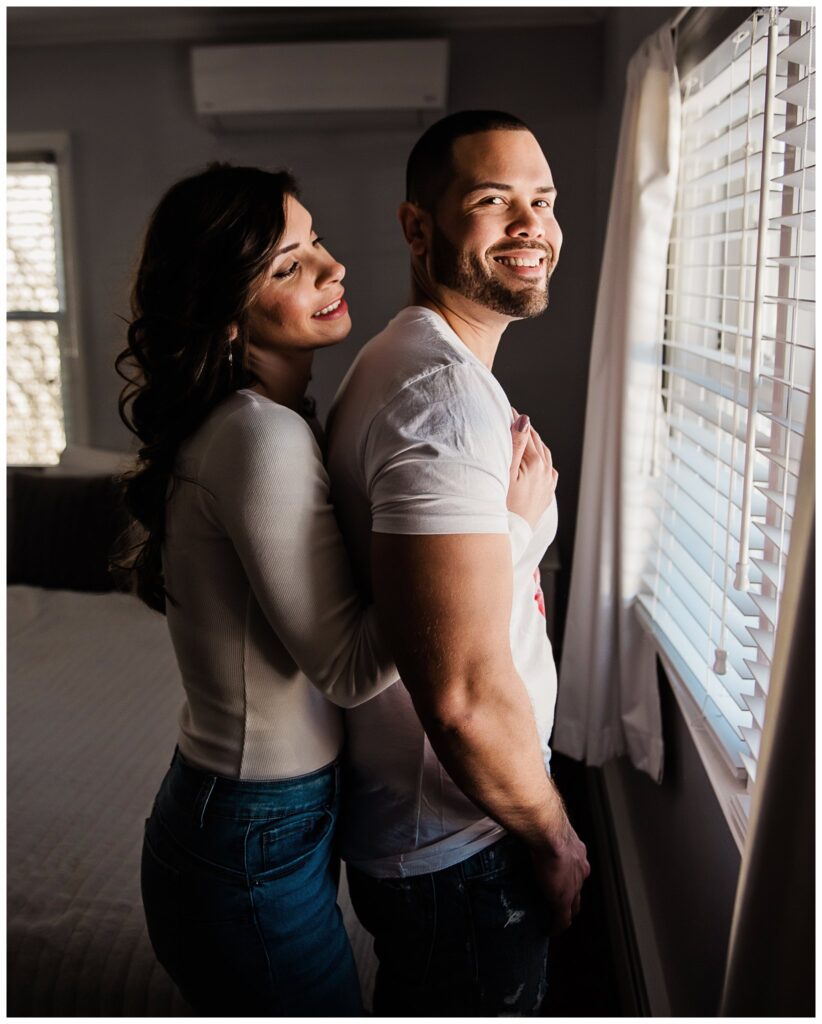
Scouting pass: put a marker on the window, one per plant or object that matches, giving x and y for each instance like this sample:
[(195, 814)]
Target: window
[(41, 355), (737, 366)]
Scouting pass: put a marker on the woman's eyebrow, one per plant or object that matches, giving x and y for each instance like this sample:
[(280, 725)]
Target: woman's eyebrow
[(288, 248)]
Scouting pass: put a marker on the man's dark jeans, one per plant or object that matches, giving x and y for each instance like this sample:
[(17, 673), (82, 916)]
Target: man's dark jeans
[(471, 940)]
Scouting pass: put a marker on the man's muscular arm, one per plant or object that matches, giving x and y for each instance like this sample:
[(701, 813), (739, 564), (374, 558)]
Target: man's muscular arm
[(447, 625)]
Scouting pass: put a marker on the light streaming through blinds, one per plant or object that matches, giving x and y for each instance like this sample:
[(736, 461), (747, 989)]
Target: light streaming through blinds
[(737, 367), (35, 314)]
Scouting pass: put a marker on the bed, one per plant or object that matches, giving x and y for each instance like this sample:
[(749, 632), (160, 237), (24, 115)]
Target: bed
[(93, 695)]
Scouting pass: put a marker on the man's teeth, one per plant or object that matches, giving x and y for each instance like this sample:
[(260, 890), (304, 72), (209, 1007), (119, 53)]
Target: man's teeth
[(328, 309), (516, 261)]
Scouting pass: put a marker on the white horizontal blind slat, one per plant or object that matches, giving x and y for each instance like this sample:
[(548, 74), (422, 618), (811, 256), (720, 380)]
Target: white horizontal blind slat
[(707, 382), (677, 595), (785, 500), (709, 411), (725, 453), (788, 463), (795, 179), (768, 569), (712, 473), (801, 93), (705, 574), (732, 172), (802, 134), (761, 674), (700, 518), (763, 638), (696, 545), (800, 50)]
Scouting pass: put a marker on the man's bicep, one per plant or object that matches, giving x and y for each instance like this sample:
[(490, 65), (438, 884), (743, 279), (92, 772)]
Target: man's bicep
[(444, 603)]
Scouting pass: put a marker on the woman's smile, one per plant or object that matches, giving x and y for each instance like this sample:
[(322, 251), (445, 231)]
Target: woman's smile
[(333, 311)]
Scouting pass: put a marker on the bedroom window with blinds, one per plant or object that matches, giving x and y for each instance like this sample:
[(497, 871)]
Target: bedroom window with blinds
[(737, 367), (36, 318)]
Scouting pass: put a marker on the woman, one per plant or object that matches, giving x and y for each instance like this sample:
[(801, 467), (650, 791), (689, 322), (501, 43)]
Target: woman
[(240, 548)]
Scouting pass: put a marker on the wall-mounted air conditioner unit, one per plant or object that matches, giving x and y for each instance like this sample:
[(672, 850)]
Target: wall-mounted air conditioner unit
[(236, 86)]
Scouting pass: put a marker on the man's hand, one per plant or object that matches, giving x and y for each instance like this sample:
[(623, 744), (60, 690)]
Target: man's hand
[(560, 873)]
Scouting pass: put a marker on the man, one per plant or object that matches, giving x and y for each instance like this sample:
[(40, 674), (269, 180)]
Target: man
[(461, 857)]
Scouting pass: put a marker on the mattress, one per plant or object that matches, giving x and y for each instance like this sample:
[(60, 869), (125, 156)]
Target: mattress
[(93, 698)]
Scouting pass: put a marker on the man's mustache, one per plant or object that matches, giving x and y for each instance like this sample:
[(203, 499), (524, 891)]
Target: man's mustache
[(544, 249)]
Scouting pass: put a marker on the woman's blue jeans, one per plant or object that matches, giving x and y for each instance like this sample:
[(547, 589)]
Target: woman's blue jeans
[(239, 883)]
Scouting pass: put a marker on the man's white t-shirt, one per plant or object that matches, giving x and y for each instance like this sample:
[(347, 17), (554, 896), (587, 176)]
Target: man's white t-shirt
[(420, 443)]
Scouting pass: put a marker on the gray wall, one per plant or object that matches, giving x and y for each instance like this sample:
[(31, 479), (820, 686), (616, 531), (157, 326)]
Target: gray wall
[(689, 864), (128, 109)]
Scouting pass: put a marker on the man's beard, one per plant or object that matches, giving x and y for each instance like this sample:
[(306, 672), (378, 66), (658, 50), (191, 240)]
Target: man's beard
[(465, 274)]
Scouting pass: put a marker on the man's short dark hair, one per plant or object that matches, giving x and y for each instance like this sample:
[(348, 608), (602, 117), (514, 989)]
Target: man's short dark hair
[(430, 166)]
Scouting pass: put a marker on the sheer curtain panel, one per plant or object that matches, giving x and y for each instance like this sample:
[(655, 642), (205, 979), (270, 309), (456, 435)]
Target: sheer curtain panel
[(608, 699)]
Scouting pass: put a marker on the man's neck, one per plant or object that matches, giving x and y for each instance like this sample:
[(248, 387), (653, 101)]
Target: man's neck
[(478, 328)]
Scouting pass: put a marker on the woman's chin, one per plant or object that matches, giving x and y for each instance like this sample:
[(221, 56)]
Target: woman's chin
[(334, 332)]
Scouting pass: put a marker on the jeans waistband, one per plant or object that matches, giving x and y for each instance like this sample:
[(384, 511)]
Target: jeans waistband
[(195, 789), (504, 854)]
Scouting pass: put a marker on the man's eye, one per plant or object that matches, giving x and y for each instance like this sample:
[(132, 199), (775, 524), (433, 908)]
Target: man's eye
[(495, 200), (287, 273), (318, 240), (543, 203)]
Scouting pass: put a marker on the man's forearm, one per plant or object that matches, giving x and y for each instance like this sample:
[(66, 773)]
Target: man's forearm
[(485, 735)]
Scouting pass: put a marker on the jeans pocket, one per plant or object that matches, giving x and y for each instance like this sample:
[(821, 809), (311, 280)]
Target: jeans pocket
[(289, 843)]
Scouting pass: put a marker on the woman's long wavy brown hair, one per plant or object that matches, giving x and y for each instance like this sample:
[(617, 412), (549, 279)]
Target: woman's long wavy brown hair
[(206, 246)]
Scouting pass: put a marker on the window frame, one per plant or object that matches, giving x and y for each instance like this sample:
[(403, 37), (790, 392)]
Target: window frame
[(73, 361), (733, 792)]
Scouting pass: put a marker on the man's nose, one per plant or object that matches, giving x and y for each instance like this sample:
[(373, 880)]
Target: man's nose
[(526, 223)]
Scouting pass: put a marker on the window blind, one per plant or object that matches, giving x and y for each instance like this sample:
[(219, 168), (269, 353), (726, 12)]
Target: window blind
[(35, 300), (737, 359)]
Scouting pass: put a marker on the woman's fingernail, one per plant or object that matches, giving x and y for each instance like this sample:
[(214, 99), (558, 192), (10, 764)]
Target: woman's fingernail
[(522, 423)]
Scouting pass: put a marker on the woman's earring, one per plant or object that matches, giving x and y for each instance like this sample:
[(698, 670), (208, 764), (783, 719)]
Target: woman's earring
[(233, 332)]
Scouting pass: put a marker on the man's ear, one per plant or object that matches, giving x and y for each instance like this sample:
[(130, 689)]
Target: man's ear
[(416, 225), (233, 331)]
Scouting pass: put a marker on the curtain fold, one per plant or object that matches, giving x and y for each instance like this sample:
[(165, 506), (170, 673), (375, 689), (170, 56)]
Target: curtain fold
[(770, 970), (608, 701)]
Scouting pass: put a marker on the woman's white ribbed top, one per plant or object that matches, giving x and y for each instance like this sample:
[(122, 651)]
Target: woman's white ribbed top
[(268, 626)]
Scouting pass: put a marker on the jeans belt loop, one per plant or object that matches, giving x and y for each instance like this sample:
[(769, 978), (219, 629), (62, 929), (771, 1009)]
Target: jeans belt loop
[(203, 797)]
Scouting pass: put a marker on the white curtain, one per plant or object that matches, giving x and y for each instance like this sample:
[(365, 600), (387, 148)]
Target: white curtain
[(770, 970), (608, 698)]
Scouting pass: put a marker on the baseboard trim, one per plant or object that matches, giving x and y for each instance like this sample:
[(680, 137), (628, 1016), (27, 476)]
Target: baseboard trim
[(641, 982)]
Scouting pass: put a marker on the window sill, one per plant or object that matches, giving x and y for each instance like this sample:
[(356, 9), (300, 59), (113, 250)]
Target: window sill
[(731, 792)]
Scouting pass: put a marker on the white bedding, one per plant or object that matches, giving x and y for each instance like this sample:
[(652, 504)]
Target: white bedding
[(93, 694), (93, 697)]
